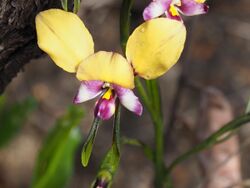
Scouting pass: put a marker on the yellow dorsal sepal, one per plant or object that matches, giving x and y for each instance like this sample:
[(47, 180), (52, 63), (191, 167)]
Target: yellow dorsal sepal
[(108, 67)]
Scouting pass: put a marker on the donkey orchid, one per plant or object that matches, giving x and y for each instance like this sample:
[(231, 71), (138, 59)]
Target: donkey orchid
[(152, 49), (171, 8), (108, 89)]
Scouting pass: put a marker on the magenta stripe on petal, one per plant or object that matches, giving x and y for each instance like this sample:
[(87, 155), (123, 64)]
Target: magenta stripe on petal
[(191, 8), (155, 9), (128, 99), (88, 90), (104, 108)]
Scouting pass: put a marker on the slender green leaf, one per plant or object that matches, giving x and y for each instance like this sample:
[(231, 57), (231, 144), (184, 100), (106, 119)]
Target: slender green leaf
[(211, 140), (54, 165), (88, 145), (12, 118), (219, 136)]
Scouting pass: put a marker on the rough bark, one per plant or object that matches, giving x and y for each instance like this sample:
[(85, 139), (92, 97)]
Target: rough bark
[(17, 35)]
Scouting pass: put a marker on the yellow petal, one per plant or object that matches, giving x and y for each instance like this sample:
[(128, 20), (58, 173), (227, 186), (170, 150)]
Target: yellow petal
[(108, 67), (155, 46), (63, 36)]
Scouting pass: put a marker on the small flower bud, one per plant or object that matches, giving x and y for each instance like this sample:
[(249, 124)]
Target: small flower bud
[(101, 183)]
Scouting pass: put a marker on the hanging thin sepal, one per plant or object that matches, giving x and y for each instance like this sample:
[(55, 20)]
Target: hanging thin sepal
[(88, 145)]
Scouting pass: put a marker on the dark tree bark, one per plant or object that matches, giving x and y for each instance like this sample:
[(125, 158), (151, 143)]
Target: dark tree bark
[(17, 35)]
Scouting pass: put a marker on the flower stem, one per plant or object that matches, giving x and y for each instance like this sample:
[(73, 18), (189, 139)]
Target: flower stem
[(152, 101), (154, 92), (77, 4), (116, 129), (159, 133), (125, 22), (159, 151), (64, 4), (144, 96)]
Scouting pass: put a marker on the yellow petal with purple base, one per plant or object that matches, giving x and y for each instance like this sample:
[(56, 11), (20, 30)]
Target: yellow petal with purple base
[(155, 46), (108, 67), (63, 36)]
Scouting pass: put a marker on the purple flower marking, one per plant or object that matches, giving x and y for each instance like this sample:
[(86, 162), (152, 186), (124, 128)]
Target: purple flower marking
[(171, 8), (105, 106)]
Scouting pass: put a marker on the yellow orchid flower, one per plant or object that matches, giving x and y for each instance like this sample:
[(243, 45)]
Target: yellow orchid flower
[(152, 49)]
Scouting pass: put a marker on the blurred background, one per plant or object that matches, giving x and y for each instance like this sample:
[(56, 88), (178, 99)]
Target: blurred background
[(206, 89)]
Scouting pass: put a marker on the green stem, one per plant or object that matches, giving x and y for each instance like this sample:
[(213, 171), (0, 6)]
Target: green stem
[(77, 4), (125, 22), (156, 115), (153, 105), (154, 90), (64, 4), (144, 96), (148, 87), (159, 152), (152, 100), (116, 129)]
